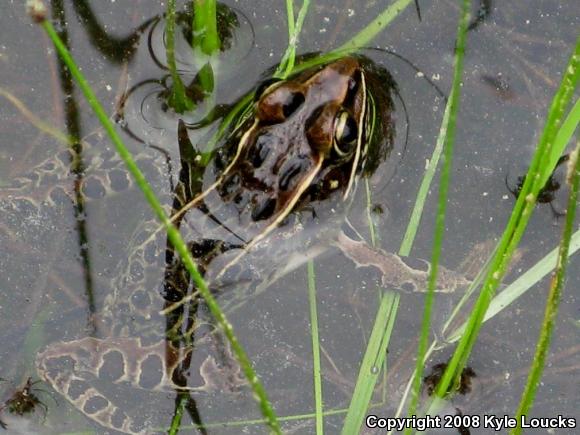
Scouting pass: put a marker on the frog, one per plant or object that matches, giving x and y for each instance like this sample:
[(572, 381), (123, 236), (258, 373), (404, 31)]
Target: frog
[(273, 195)]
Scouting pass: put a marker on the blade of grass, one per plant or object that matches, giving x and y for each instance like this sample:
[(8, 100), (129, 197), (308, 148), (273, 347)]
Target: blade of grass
[(315, 349), (205, 33), (421, 198), (35, 120), (363, 38), (441, 206), (366, 35), (294, 28), (177, 416), (554, 297), (517, 223), (177, 99), (563, 138), (172, 231), (206, 44), (373, 359)]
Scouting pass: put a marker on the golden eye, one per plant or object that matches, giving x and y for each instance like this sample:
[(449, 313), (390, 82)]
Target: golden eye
[(345, 134)]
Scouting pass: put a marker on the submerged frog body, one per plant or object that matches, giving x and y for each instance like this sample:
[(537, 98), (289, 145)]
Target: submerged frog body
[(273, 196)]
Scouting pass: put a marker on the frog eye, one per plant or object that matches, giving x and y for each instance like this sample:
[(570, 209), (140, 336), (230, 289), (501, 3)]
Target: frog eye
[(345, 134), (266, 85)]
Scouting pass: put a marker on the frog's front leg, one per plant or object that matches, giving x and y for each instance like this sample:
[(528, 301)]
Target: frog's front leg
[(400, 273)]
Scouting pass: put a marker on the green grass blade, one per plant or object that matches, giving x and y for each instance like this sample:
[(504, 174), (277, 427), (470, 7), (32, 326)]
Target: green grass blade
[(563, 138), (287, 63), (177, 99), (421, 198), (319, 406), (363, 38), (373, 360), (205, 33), (553, 301), (177, 416), (442, 205), (172, 231), (366, 35)]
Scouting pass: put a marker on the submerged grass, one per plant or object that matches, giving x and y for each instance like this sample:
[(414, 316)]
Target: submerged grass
[(316, 370), (172, 232), (373, 360)]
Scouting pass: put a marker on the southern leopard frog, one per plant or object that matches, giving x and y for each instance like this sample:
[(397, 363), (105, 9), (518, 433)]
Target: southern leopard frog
[(274, 195)]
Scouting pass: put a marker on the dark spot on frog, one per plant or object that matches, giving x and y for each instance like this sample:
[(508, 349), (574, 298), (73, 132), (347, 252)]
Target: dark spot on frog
[(49, 166), (150, 252), (76, 388), (278, 105), (55, 366), (118, 418), (219, 160), (141, 300), (59, 196), (65, 156), (288, 173), (241, 199), (294, 101), (137, 271), (119, 180), (353, 86), (202, 248), (263, 209), (95, 404), (113, 366), (259, 152), (93, 188), (408, 287), (230, 186), (416, 264), (151, 372)]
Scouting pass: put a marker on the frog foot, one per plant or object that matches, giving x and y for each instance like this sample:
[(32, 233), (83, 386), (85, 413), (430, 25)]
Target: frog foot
[(401, 273)]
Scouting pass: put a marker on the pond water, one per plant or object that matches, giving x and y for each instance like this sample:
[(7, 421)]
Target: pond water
[(65, 265)]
